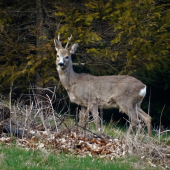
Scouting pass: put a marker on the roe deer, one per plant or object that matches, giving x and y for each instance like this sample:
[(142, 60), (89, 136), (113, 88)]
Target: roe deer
[(91, 92)]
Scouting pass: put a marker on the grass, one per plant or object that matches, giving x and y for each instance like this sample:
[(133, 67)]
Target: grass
[(116, 130), (165, 138), (13, 157), (113, 130)]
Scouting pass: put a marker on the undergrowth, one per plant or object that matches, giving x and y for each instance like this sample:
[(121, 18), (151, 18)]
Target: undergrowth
[(141, 149)]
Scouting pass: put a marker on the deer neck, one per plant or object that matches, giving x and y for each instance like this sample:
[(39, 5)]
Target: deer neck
[(67, 77)]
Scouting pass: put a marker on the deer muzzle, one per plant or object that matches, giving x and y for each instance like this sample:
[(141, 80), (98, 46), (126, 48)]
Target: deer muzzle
[(61, 64)]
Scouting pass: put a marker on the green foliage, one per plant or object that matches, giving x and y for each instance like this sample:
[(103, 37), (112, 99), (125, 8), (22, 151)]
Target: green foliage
[(142, 36), (3, 19), (78, 22), (125, 33), (132, 36), (26, 48)]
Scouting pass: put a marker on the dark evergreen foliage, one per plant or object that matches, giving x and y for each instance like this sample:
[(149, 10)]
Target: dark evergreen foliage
[(115, 37)]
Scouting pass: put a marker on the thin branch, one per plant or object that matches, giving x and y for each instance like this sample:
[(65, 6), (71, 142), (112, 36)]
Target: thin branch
[(161, 133), (52, 112), (149, 102), (89, 131), (160, 122)]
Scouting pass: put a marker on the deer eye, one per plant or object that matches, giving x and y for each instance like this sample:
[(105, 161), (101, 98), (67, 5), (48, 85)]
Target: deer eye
[(66, 57), (57, 56)]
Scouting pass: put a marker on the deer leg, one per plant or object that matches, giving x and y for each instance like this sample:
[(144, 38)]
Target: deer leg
[(146, 118), (138, 131), (128, 109), (131, 127), (82, 115), (101, 117), (95, 113), (86, 117)]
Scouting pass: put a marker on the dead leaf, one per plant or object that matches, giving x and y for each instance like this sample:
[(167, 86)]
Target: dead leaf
[(34, 139)]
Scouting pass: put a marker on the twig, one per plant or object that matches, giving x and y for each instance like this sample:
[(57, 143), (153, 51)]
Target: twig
[(53, 93), (10, 95), (63, 122), (149, 102), (53, 112), (160, 122), (126, 120), (69, 110), (56, 114), (29, 112), (161, 133), (89, 131)]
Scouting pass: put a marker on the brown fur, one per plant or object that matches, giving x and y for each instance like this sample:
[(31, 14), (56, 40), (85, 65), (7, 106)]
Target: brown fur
[(92, 92)]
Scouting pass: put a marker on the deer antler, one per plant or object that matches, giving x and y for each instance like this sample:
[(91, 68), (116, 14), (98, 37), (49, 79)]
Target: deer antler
[(57, 42), (59, 37), (69, 38)]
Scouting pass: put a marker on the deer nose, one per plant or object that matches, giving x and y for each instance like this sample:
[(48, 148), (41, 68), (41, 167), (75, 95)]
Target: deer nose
[(61, 64)]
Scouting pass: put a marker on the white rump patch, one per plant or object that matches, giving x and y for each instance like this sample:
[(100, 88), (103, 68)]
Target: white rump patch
[(142, 92)]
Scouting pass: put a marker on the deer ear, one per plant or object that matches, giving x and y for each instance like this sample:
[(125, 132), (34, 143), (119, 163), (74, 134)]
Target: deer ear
[(73, 48), (57, 44)]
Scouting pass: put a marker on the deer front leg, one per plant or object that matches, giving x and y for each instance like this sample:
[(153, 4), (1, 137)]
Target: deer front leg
[(83, 116), (95, 113)]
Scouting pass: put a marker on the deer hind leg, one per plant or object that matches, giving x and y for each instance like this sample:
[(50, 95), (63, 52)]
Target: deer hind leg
[(146, 118), (128, 109)]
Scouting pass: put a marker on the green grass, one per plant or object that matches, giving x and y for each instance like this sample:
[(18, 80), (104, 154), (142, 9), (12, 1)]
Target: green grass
[(13, 157), (114, 130), (164, 138)]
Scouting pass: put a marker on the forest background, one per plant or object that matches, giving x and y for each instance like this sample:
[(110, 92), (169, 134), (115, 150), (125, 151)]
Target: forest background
[(115, 37)]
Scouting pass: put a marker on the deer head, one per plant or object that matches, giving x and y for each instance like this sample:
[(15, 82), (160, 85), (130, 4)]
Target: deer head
[(63, 60)]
